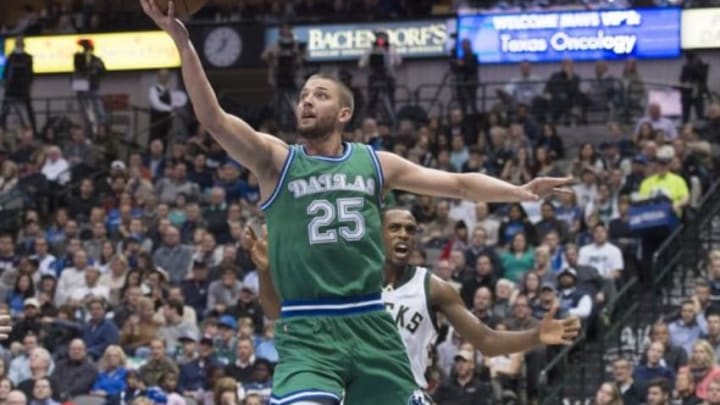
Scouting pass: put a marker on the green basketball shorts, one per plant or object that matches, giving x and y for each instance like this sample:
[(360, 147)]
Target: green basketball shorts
[(341, 350)]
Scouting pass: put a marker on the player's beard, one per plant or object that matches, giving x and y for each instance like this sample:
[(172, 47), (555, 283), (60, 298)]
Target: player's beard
[(322, 127)]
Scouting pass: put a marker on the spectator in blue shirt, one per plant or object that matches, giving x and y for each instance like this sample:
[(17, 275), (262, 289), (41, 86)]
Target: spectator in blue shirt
[(99, 333), (654, 367), (686, 330), (23, 290), (111, 380), (193, 377)]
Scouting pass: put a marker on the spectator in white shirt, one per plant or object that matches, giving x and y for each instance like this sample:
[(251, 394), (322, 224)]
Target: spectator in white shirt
[(56, 168), (72, 278), (462, 210), (91, 288), (573, 301), (602, 255), (658, 122)]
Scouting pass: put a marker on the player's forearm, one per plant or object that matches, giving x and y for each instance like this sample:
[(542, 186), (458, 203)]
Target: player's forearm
[(479, 187), (205, 104), (269, 300), (494, 343)]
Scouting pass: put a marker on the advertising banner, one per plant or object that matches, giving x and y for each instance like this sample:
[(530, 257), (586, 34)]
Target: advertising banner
[(700, 28), (119, 51), (578, 35), (340, 42)]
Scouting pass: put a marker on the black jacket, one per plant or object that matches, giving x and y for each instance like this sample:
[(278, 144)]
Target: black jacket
[(18, 74)]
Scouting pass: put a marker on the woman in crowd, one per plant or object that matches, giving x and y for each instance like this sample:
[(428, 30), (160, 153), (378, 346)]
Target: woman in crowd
[(703, 367), (115, 278), (550, 139), (518, 170), (544, 164), (168, 383), (23, 289), (517, 221), (140, 329), (225, 392), (608, 394), (107, 251), (587, 158), (8, 176), (5, 387), (519, 259), (111, 381), (531, 287)]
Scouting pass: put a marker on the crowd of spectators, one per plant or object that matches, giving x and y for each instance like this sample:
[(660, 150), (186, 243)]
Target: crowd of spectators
[(139, 282), (679, 362)]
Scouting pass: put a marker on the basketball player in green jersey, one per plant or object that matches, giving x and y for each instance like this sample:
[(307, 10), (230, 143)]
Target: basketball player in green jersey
[(414, 296), (322, 208)]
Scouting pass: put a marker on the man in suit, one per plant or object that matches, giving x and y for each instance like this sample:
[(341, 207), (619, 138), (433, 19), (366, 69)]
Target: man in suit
[(18, 77)]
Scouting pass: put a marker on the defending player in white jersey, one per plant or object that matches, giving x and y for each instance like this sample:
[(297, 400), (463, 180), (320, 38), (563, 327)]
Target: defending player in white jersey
[(413, 296)]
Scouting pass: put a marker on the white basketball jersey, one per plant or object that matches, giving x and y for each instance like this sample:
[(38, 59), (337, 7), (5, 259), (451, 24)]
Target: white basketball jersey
[(408, 304)]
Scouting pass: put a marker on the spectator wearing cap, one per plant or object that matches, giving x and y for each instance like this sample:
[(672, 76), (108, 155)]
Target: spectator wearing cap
[(241, 368), (30, 322), (75, 375), (588, 279), (464, 387), (224, 293), (187, 348), (548, 298), (195, 288), (665, 182), (658, 122), (654, 366), (573, 301), (168, 188), (193, 379), (175, 326), (173, 256), (225, 343), (158, 364), (98, 333), (686, 330), (111, 379)]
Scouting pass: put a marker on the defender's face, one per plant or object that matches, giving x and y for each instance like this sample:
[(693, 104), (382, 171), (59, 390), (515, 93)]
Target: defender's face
[(318, 110), (399, 235)]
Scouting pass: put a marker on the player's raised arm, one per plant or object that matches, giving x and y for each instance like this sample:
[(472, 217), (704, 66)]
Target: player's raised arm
[(494, 343), (404, 175), (255, 150)]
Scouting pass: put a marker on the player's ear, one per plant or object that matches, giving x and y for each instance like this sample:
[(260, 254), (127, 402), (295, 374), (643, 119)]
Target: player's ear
[(345, 114)]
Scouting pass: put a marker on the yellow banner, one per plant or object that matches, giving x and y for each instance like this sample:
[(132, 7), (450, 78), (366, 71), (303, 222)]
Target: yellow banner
[(119, 51), (700, 28)]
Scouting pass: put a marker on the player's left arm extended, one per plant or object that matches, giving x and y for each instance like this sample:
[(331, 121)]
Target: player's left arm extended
[(491, 342), (404, 175)]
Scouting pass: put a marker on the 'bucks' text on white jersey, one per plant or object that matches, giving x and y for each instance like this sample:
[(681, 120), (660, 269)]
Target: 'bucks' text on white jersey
[(408, 302)]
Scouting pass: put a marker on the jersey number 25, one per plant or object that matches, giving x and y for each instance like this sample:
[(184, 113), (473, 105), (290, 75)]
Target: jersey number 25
[(345, 211)]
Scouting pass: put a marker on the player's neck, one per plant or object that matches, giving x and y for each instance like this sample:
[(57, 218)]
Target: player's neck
[(331, 145), (394, 273)]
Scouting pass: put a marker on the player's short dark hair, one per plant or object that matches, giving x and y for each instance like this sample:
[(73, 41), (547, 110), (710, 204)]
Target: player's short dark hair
[(659, 383), (345, 94)]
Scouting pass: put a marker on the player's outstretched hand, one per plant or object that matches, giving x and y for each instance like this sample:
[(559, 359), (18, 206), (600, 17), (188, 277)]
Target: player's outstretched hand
[(167, 21), (258, 249), (541, 187), (558, 331), (5, 326)]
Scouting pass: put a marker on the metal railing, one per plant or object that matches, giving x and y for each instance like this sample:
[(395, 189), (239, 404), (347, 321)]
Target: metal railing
[(680, 256)]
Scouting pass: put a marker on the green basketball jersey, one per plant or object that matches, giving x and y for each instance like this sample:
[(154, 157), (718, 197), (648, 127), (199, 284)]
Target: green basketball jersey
[(324, 225)]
